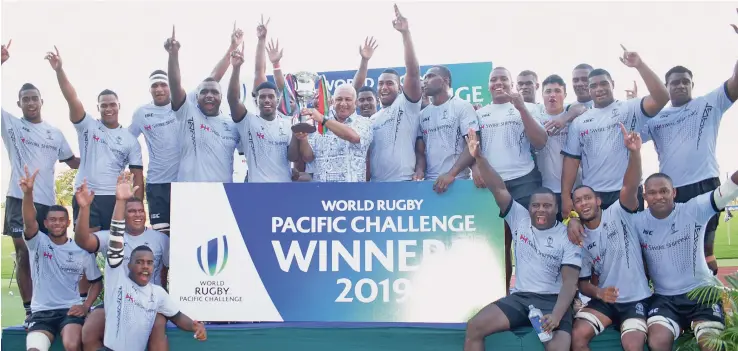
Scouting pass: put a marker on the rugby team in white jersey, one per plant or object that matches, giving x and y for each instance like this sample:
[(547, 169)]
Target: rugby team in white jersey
[(543, 162)]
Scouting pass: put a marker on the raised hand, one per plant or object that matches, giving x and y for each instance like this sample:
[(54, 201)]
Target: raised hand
[(125, 189), (4, 53), (200, 333), (236, 36), (54, 59), (237, 57), (632, 94), (630, 58), (632, 140), (400, 22), (261, 29), (367, 50), (608, 294), (472, 142), (83, 195), (274, 52), (735, 28), (172, 45), (27, 181)]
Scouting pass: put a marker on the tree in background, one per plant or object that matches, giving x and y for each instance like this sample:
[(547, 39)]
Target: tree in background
[(65, 187)]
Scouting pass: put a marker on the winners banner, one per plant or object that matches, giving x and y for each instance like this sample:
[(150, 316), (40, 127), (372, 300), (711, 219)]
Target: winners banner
[(335, 252)]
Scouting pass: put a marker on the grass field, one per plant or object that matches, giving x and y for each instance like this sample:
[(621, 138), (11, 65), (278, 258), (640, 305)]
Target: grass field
[(12, 306)]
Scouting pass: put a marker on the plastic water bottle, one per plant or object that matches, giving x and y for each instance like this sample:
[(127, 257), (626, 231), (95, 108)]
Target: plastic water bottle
[(535, 316)]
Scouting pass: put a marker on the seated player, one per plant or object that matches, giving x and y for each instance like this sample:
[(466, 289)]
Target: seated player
[(547, 266), (56, 268)]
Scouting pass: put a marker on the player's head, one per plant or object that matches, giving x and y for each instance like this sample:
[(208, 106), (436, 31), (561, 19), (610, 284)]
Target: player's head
[(30, 102), (141, 265), (437, 80), (543, 208), (580, 81), (135, 216), (267, 98), (500, 82), (600, 87), (108, 106), (208, 97), (659, 193), (554, 92), (388, 86), (680, 84), (344, 101), (586, 202), (527, 85), (367, 101), (57, 221), (159, 87)]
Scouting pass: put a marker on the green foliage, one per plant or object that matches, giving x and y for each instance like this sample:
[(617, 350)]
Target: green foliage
[(64, 185), (711, 294)]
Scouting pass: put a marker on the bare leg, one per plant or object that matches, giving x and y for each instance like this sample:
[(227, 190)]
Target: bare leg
[(560, 342), (633, 341), (583, 332), (660, 338), (23, 272), (158, 339), (93, 331), (489, 320), (71, 336)]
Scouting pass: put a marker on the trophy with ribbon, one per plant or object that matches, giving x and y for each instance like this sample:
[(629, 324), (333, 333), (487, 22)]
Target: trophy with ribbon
[(305, 91)]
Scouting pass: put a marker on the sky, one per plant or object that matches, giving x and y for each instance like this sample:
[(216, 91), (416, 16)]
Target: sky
[(117, 44)]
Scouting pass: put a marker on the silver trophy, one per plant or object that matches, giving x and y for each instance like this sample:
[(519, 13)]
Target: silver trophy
[(305, 91)]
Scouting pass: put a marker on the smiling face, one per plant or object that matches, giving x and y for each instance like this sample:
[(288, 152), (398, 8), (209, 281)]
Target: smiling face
[(140, 266), (659, 194), (344, 102), (499, 83), (580, 83), (367, 103), (267, 100), (160, 93), (388, 88), (135, 217), (108, 106), (208, 98), (586, 203), (30, 103), (600, 89), (57, 223)]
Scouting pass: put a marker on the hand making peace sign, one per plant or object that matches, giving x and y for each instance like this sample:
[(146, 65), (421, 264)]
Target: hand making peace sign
[(261, 29), (237, 56), (27, 181)]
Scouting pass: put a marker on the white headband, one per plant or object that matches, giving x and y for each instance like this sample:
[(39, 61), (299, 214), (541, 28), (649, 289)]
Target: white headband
[(159, 78)]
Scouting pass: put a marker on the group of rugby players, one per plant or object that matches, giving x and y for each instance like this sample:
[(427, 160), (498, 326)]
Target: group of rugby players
[(542, 162)]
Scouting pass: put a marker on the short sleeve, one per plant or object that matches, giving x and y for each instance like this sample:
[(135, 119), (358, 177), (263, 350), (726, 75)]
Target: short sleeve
[(646, 133), (135, 160), (186, 108), (514, 213), (102, 237), (703, 207), (65, 151), (468, 118), (92, 271), (136, 126), (166, 305), (637, 115), (585, 272), (572, 255), (720, 99), (87, 122), (165, 250), (35, 242), (411, 107), (572, 147)]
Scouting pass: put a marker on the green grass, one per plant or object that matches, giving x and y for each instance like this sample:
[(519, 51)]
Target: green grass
[(722, 249)]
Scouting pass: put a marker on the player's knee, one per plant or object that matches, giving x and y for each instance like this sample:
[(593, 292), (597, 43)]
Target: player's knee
[(37, 340), (662, 332), (633, 332), (161, 227), (702, 329), (72, 343), (589, 319)]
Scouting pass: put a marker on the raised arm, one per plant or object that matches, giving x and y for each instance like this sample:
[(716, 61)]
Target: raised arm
[(260, 58), (341, 130), (633, 174), (532, 127), (659, 96), (76, 109), (123, 192), (178, 93), (30, 225), (83, 235), (238, 109), (412, 85), (492, 179), (366, 53), (5, 52), (222, 66)]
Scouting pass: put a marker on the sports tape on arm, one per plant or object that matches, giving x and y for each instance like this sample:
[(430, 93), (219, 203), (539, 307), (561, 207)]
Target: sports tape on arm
[(115, 243)]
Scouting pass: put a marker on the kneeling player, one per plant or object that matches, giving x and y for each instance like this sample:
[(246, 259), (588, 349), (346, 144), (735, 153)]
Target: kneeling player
[(134, 303), (620, 294), (136, 234), (56, 266), (547, 266), (672, 237)]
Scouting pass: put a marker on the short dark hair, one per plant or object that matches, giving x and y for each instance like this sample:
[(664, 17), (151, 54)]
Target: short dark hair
[(369, 89), (528, 73), (134, 199), (158, 71), (393, 72), (584, 66), (554, 79), (446, 73), (677, 69), (57, 208), (659, 175), (26, 87), (266, 85), (106, 92), (600, 72), (543, 190), (582, 186), (140, 248)]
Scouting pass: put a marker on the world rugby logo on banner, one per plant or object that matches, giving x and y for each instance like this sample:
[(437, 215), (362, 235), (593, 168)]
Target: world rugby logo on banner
[(212, 258)]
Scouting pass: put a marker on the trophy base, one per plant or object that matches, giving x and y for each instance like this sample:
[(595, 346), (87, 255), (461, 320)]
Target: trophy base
[(303, 128)]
